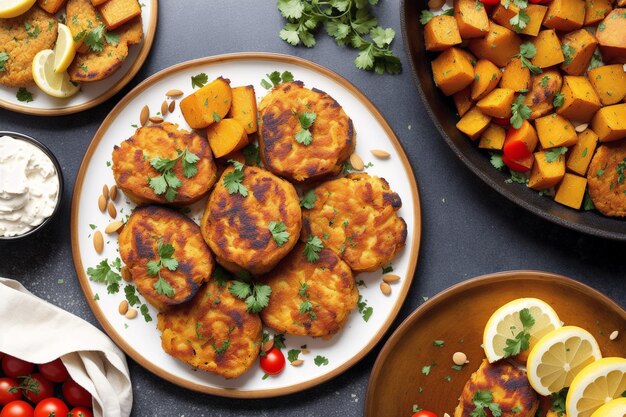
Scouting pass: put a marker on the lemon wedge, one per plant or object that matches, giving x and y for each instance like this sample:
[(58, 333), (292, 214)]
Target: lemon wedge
[(14, 8), (56, 85), (558, 357), (506, 323), (615, 408), (596, 385), (64, 50)]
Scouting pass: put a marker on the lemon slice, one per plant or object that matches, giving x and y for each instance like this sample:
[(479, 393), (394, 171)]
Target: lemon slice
[(597, 384), (558, 357), (505, 323), (56, 85), (615, 408), (64, 50), (13, 8)]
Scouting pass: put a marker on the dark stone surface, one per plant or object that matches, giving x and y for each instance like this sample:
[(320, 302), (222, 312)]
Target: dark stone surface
[(468, 229)]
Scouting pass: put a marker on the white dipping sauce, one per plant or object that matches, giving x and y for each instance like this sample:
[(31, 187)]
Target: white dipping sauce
[(29, 186)]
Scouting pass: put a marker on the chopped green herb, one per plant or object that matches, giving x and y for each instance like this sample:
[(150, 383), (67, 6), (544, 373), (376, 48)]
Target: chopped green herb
[(293, 354), (568, 53), (252, 155), (364, 309), (554, 154), (4, 57), (168, 183), (199, 80), (558, 100), (620, 171), (528, 51), (233, 180), (520, 340), (482, 400), (520, 112), (308, 200), (106, 273), (320, 360), (166, 259), (304, 135), (255, 295), (558, 402), (519, 21), (496, 161), (387, 269), (312, 248), (275, 78), (24, 95), (279, 232)]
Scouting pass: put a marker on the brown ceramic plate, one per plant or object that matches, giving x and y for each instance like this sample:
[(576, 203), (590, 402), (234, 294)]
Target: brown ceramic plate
[(457, 316), (443, 113)]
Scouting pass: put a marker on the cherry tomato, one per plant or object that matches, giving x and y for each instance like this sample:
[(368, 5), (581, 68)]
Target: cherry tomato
[(76, 395), (51, 407), (424, 413), (273, 362), (15, 367), (9, 391), (54, 371), (37, 387), (1, 355), (80, 412), (17, 409)]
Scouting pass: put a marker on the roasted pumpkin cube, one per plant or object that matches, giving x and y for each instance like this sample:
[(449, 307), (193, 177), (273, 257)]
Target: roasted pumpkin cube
[(462, 101), (207, 105), (540, 98), (609, 122), (98, 2), (535, 12), (226, 136), (547, 171), (497, 103), (548, 47), (580, 100), (117, 12), (571, 191), (578, 48), (609, 81), (579, 155), (452, 71), (555, 131), (492, 138), (243, 108), (473, 123), (595, 11), (441, 32), (499, 46), (486, 78), (611, 35), (471, 18), (565, 15), (515, 76), (51, 6)]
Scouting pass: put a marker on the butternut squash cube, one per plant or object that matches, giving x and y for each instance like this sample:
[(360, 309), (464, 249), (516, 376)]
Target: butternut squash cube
[(486, 77), (462, 101), (571, 191), (452, 71), (578, 48), (499, 46), (580, 100), (609, 81), (541, 96), (51, 6), (555, 131), (609, 122), (579, 155), (547, 171), (473, 123), (207, 105), (611, 35), (226, 136), (565, 15), (535, 12), (471, 18), (548, 49), (515, 76), (243, 108), (441, 32), (497, 103), (595, 11), (117, 12), (492, 138), (98, 2)]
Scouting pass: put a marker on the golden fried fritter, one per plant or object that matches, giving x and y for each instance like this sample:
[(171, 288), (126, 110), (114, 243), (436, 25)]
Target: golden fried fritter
[(237, 228), (605, 179), (508, 386), (22, 38), (132, 164), (95, 66), (81, 17), (310, 298), (213, 332), (151, 227), (356, 217), (332, 131)]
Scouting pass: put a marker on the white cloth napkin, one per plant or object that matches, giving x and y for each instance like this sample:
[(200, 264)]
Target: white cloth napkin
[(36, 331)]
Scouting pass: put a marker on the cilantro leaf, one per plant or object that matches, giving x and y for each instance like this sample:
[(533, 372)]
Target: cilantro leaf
[(131, 295), (308, 200), (306, 119), (527, 51), (252, 155), (519, 21), (621, 166), (426, 16), (239, 289), (189, 164), (279, 341), (312, 248), (145, 313), (168, 182), (112, 38), (276, 78), (364, 309), (24, 95), (382, 37), (286, 77), (521, 341), (233, 183), (496, 161), (320, 360), (292, 354), (568, 53), (555, 153), (387, 269), (290, 9), (304, 137), (199, 80), (279, 232), (105, 274), (163, 287), (558, 402), (153, 268), (588, 202), (596, 60), (305, 306), (520, 112), (94, 39), (482, 400), (4, 57), (558, 99)]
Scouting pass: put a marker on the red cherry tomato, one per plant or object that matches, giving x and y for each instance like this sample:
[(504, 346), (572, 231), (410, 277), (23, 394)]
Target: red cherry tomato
[(17, 409), (9, 391), (273, 362), (489, 2), (540, 1), (521, 165), (36, 388), (54, 371), (76, 395), (424, 413), (1, 355), (15, 367), (51, 407), (80, 412)]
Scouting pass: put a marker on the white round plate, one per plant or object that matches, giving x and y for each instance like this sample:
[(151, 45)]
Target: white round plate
[(90, 94), (141, 340)]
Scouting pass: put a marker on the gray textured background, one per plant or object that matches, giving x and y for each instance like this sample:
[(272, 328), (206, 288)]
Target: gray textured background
[(468, 229)]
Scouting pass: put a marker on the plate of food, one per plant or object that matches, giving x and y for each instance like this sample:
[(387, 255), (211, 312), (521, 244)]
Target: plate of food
[(245, 225), (516, 89), (64, 56), (464, 350)]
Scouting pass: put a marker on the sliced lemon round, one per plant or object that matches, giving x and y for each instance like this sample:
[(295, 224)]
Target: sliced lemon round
[(596, 385), (56, 85), (13, 8), (506, 324), (64, 49), (615, 408), (558, 357)]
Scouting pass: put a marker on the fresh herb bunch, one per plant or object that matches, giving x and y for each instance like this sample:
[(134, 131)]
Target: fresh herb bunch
[(256, 296), (275, 78), (519, 111), (167, 260), (279, 232), (349, 22), (168, 183), (96, 37), (482, 400), (521, 340), (527, 51), (108, 274)]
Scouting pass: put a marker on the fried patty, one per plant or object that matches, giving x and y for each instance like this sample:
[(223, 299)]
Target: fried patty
[(213, 332), (237, 228), (81, 18), (95, 66), (150, 227), (509, 387), (356, 217), (605, 179), (310, 299), (132, 164), (333, 134), (22, 38)]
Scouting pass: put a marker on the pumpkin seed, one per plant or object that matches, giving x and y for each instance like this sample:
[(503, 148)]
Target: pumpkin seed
[(357, 162), (98, 241), (143, 116), (581, 127)]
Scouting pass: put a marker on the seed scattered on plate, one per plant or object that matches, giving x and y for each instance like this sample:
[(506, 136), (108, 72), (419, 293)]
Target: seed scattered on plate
[(123, 308), (305, 351), (446, 415), (131, 314), (391, 278), (112, 210), (113, 227), (385, 288), (105, 191), (143, 116), (98, 241), (379, 153), (436, 4), (164, 108), (174, 93), (297, 362), (113, 192), (125, 272), (172, 106), (614, 335), (102, 203), (581, 127), (267, 346), (156, 119), (459, 358), (357, 162)]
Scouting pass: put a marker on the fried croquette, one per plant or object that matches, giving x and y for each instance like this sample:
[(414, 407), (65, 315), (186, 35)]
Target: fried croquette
[(252, 219), (81, 18), (605, 179), (283, 153), (311, 299), (22, 38), (144, 245), (213, 332), (356, 217), (509, 389), (133, 158)]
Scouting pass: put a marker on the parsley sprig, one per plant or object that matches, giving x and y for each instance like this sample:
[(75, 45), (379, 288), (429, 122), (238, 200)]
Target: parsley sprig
[(349, 22), (24, 95), (365, 310), (521, 340), (199, 80), (4, 57), (233, 180), (527, 51), (558, 99), (482, 400), (166, 259), (279, 232), (558, 402), (107, 273), (520, 112), (167, 183), (312, 249), (306, 120), (554, 154), (276, 78), (256, 296), (620, 171), (568, 53), (96, 37), (308, 199), (306, 306), (519, 21), (426, 15)]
